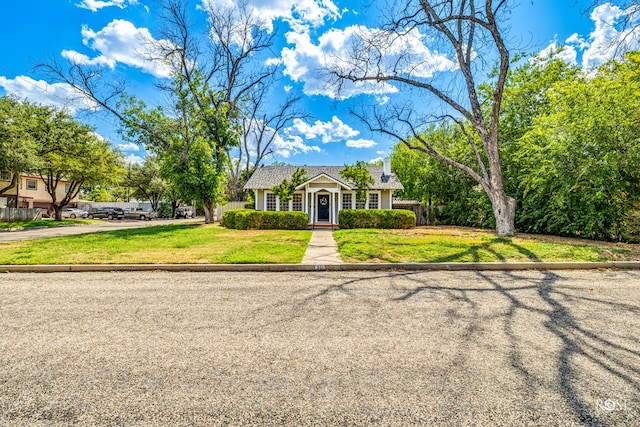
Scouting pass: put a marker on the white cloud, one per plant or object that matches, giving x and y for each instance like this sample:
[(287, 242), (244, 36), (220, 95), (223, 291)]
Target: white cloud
[(376, 160), (576, 40), (332, 131), (284, 145), (300, 14), (100, 137), (129, 147), (309, 62), (58, 95), (121, 42), (361, 143), (607, 40), (565, 53), (95, 5), (291, 145), (132, 159), (382, 100)]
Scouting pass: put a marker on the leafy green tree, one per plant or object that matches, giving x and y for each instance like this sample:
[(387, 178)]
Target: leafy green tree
[(359, 175), (286, 188), (98, 194), (213, 89), (527, 96), (17, 145), (172, 199), (436, 184), (145, 181), (192, 142), (578, 164), (72, 155), (571, 153)]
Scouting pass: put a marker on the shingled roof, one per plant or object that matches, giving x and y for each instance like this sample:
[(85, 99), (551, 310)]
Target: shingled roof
[(269, 176)]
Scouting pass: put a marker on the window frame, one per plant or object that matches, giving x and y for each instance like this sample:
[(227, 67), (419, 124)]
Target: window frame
[(297, 202), (378, 199), (351, 195), (268, 203), (35, 184)]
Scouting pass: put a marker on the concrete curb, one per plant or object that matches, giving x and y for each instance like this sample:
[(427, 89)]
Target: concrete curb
[(448, 266)]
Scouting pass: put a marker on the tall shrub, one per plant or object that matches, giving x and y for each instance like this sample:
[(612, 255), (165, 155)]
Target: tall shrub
[(377, 218)]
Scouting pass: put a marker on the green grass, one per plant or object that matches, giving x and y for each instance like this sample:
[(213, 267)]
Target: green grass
[(42, 223), (199, 243), (175, 244), (467, 245)]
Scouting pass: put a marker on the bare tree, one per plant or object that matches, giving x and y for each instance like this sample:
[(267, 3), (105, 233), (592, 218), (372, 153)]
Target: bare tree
[(262, 126), (193, 130), (227, 57), (468, 32), (242, 42)]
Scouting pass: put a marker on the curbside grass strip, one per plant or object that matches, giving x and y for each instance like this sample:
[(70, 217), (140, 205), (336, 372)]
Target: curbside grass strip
[(449, 266)]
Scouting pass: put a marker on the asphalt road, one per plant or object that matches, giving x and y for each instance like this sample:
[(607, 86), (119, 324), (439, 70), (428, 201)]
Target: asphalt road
[(102, 225), (533, 348)]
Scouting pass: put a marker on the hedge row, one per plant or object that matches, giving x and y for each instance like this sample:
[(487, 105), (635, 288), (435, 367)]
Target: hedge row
[(245, 219), (377, 218)]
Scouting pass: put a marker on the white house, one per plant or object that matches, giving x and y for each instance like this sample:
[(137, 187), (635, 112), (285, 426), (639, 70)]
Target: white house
[(324, 193)]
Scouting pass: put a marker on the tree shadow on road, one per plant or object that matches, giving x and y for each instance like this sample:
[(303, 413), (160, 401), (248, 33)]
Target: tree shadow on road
[(546, 298)]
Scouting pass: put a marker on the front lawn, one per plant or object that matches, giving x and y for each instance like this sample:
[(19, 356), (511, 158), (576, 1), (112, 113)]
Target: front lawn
[(458, 244), (173, 244)]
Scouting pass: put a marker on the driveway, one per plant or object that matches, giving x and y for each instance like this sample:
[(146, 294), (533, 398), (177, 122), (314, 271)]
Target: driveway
[(536, 348), (102, 225)]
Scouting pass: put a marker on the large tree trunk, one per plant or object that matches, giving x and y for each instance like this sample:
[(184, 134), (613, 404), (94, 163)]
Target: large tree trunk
[(57, 212), (504, 211), (209, 211)]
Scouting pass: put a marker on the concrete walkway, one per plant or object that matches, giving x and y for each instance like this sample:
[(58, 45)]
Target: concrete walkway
[(322, 249)]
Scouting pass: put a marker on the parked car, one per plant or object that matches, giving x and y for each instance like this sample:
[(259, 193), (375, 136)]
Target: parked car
[(184, 212), (74, 213), (108, 213), (141, 215)]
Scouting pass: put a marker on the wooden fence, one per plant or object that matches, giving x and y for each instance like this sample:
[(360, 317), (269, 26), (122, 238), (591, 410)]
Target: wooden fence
[(221, 209), (13, 214)]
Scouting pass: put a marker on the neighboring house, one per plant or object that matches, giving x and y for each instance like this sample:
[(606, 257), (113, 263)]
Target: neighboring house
[(324, 193), (30, 193)]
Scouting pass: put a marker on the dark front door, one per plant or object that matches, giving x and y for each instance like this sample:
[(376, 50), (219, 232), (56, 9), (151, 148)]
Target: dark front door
[(323, 207)]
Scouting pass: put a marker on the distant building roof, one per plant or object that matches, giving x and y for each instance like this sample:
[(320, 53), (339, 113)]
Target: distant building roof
[(269, 176)]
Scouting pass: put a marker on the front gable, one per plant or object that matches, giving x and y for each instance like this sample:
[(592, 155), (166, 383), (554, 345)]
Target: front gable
[(323, 180)]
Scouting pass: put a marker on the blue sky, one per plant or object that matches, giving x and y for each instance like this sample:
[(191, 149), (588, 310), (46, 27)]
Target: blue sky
[(109, 31)]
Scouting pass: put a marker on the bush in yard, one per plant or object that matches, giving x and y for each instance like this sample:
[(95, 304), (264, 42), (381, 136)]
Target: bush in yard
[(229, 218), (248, 219), (377, 218)]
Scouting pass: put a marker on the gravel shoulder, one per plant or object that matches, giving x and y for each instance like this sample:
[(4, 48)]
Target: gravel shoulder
[(328, 348)]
